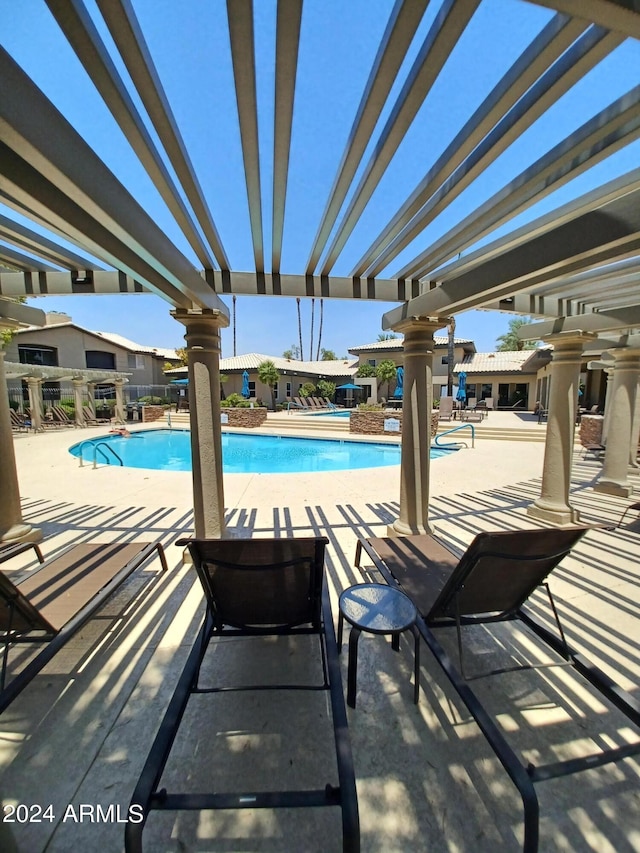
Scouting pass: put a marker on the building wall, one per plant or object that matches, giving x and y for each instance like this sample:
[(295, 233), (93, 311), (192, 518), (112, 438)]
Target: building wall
[(72, 344), (440, 364)]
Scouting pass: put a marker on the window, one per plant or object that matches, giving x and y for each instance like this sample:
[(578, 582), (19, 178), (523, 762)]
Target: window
[(135, 361), (275, 389), (100, 360), (288, 389), (487, 390), (372, 362), (34, 354), (252, 389), (445, 360)]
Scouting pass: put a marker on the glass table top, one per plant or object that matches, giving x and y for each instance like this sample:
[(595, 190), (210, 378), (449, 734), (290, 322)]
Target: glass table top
[(377, 608)]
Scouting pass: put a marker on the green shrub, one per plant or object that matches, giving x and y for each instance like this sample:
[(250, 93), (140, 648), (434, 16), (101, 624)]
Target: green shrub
[(149, 399), (308, 390), (370, 407)]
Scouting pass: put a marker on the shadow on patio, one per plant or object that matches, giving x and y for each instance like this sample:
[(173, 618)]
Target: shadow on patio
[(427, 779)]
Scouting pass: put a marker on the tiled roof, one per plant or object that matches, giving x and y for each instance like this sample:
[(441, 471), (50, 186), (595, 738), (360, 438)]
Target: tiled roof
[(125, 343), (496, 362), (250, 361), (395, 344), (118, 340)]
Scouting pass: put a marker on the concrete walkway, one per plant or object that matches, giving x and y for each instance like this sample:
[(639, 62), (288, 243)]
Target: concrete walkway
[(427, 780)]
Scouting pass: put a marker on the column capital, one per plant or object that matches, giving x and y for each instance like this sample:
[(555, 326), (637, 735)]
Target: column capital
[(570, 340), (421, 324), (194, 316)]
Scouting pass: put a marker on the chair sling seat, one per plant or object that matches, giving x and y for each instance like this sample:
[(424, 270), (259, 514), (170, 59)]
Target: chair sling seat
[(53, 602), (491, 582), (255, 587)]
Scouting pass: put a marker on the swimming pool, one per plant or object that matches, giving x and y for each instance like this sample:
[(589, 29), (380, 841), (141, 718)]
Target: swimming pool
[(170, 450)]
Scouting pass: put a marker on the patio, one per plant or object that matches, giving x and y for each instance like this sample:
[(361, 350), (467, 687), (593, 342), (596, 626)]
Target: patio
[(426, 778)]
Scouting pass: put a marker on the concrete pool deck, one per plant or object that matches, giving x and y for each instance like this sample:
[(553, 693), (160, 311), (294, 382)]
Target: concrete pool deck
[(426, 778)]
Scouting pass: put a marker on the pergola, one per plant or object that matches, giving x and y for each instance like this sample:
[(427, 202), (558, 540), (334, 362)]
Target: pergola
[(575, 268)]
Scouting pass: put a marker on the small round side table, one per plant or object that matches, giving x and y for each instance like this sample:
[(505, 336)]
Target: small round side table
[(377, 609)]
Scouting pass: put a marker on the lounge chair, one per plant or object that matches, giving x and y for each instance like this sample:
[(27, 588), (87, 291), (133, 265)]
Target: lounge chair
[(491, 582), (55, 601), (19, 423), (256, 587), (90, 418), (8, 550), (60, 416), (301, 403), (445, 412)]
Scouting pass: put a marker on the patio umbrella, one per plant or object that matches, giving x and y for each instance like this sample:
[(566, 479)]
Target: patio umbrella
[(245, 385), (348, 386), (399, 382), (179, 381), (462, 387)]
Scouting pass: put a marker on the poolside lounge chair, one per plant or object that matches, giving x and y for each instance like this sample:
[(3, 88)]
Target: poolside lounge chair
[(90, 418), (18, 422), (491, 582), (9, 550), (301, 402), (55, 601), (61, 417), (445, 412), (256, 588)]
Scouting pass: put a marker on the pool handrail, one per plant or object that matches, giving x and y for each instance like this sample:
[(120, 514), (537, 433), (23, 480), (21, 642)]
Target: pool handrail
[(97, 447), (455, 443)]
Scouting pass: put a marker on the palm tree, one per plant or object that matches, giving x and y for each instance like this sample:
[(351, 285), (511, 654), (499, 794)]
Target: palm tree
[(320, 329), (268, 375), (299, 327), (234, 324), (510, 342), (451, 329), (385, 372), (313, 311)]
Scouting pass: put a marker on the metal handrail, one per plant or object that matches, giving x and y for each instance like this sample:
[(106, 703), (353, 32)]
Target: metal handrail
[(99, 446), (455, 443), (82, 444)]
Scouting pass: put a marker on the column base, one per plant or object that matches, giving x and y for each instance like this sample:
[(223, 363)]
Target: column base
[(20, 533), (399, 528), (558, 516), (609, 487)]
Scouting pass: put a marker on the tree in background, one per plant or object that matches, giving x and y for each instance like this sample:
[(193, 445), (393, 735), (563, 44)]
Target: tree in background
[(326, 388), (308, 389), (181, 352), (451, 331), (299, 325), (386, 372), (366, 371), (293, 352), (320, 331), (387, 336), (268, 375), (327, 355), (509, 342)]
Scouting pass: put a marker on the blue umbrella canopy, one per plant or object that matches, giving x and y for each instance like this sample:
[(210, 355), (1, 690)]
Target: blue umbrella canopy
[(349, 386), (179, 381), (462, 386), (245, 385), (399, 382)]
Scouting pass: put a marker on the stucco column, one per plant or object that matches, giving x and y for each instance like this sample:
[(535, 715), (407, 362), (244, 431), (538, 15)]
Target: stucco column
[(119, 410), (615, 469), (78, 400), (34, 387), (12, 527), (203, 360), (417, 398), (635, 434), (91, 398), (608, 396), (553, 504)]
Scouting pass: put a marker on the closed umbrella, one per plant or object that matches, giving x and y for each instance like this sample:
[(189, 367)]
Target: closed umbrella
[(399, 383), (245, 385), (462, 387)]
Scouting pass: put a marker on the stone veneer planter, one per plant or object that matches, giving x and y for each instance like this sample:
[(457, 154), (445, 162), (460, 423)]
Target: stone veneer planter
[(373, 423), (152, 413), (247, 418), (591, 429)]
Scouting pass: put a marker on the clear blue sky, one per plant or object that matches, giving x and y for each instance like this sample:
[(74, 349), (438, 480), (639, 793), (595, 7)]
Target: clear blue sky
[(189, 43)]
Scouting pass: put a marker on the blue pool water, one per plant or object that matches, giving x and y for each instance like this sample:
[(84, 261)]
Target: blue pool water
[(170, 450)]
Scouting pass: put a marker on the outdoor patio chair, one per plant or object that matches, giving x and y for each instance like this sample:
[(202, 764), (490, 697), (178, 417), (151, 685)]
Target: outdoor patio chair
[(491, 582), (55, 601), (9, 550), (90, 418), (18, 422), (60, 416), (301, 402), (256, 588), (445, 412)]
